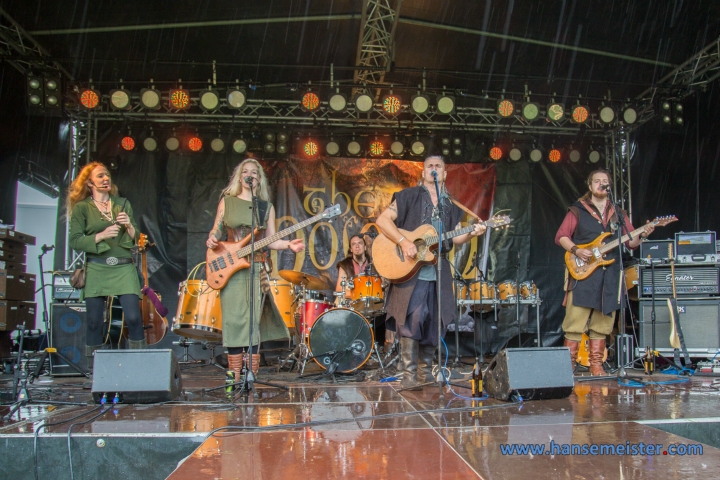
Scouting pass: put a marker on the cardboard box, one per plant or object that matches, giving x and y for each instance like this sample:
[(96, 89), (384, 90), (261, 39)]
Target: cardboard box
[(14, 313), (15, 236), (17, 286)]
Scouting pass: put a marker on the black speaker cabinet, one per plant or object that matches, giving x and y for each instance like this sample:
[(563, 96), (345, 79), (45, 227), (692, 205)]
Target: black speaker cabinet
[(67, 334), (534, 373), (699, 320), (137, 376)]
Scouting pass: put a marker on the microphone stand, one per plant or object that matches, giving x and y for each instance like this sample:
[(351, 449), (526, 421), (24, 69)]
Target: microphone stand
[(517, 300), (441, 380)]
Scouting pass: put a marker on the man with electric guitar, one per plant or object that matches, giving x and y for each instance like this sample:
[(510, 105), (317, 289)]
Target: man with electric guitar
[(412, 301), (591, 290)]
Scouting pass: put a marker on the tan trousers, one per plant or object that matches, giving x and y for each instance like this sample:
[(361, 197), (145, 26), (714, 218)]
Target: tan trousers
[(579, 320)]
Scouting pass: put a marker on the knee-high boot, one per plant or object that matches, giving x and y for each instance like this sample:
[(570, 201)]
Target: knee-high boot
[(596, 353), (427, 354), (409, 351), (235, 363), (574, 349), (255, 362)]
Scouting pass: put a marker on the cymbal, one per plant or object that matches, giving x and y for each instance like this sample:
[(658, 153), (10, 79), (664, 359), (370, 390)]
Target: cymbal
[(309, 281)]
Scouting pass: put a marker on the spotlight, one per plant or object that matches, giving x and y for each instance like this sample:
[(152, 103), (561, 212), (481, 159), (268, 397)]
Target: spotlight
[(236, 98), (337, 102), (217, 145), (574, 155), (363, 102), (282, 137), (282, 142), (150, 143), (530, 111), (35, 95), (420, 104), (332, 148), (377, 149), (457, 146), (195, 144), (554, 155), (239, 146), (505, 108), (309, 102), (391, 104), (630, 115), (445, 146), (579, 114), (311, 148), (607, 114), (209, 100), (127, 143), (269, 148), (535, 155), (89, 99), (515, 154), (555, 112), (179, 99), (496, 153), (120, 99), (594, 156), (417, 147), (353, 148), (445, 104), (150, 98), (282, 148), (397, 147), (678, 114), (172, 143), (52, 92)]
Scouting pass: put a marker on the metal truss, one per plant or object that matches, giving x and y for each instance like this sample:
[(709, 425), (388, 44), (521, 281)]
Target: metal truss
[(20, 49), (377, 36), (617, 162)]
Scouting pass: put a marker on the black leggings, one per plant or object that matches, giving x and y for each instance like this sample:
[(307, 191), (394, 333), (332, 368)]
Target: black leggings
[(130, 304), (239, 350)]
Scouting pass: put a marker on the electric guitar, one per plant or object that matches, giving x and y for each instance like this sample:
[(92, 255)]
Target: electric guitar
[(390, 262), (230, 257), (580, 270)]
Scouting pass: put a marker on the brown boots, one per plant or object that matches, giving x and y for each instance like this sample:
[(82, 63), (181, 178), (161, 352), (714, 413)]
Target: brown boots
[(574, 348), (595, 355), (237, 362)]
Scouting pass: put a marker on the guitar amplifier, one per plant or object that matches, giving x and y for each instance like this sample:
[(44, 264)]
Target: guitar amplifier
[(62, 290), (656, 248), (696, 248), (697, 281)]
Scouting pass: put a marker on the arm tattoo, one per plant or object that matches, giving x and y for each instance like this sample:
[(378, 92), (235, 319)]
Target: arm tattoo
[(393, 207), (217, 231)]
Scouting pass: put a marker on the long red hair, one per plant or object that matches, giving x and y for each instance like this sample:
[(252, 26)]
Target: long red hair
[(79, 188)]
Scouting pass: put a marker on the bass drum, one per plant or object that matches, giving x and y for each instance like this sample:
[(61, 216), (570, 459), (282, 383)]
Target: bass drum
[(341, 336), (198, 315)]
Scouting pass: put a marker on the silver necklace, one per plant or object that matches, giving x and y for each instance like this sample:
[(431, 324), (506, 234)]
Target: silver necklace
[(107, 214)]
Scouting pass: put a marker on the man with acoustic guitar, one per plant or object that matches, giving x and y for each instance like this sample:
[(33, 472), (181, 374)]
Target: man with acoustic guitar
[(591, 303), (412, 303)]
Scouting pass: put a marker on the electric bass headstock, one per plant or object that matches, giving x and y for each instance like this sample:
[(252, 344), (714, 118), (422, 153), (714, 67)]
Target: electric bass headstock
[(331, 212)]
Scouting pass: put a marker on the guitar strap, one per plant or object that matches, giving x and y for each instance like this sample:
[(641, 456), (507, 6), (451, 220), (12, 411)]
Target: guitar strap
[(465, 209)]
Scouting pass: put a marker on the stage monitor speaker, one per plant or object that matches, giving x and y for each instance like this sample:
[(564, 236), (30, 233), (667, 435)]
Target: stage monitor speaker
[(67, 334), (699, 320), (136, 376), (532, 373)]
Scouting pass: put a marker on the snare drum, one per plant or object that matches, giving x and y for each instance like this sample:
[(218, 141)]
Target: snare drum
[(476, 290), (366, 295), (528, 290), (310, 310), (507, 291), (198, 315), (283, 295)]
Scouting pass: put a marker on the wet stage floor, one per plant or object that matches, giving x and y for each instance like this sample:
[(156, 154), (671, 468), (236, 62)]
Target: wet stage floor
[(367, 429)]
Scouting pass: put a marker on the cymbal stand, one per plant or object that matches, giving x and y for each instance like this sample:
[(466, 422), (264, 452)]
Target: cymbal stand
[(185, 344)]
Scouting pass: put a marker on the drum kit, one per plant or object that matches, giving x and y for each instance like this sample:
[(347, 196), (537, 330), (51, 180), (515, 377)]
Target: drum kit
[(338, 338), (484, 296)]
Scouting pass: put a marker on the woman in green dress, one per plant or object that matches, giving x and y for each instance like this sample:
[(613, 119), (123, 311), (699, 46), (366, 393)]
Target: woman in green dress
[(234, 218), (102, 226)]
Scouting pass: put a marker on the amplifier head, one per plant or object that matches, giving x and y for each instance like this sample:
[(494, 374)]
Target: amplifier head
[(695, 243), (655, 248)]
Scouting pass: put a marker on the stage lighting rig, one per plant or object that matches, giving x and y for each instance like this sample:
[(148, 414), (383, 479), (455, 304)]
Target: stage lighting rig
[(445, 104), (505, 108), (354, 149), (579, 114), (239, 145), (209, 99), (311, 148), (236, 98), (535, 154), (555, 111), (607, 114), (332, 147), (495, 153), (420, 104), (515, 154), (363, 102), (120, 98), (337, 102), (89, 98), (417, 147), (391, 104), (309, 102), (397, 147), (531, 111), (554, 155), (150, 99), (179, 99)]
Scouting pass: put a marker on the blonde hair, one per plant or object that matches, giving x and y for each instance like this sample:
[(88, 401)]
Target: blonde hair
[(235, 186), (79, 188)]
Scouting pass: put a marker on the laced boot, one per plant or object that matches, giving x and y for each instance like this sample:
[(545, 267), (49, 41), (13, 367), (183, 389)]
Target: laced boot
[(595, 355), (574, 348), (427, 354), (235, 363), (409, 350), (137, 344), (255, 362)]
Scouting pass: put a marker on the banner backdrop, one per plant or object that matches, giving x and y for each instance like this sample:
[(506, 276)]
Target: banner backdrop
[(362, 188)]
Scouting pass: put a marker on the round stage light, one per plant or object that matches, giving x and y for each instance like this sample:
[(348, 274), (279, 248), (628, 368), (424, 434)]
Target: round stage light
[(397, 147), (377, 148), (310, 102), (179, 99), (535, 155), (209, 100), (236, 98), (392, 104), (282, 137), (172, 143), (496, 153), (35, 99), (150, 98), (505, 108), (51, 85), (555, 112), (607, 114), (89, 99), (269, 136), (195, 144), (353, 147), (332, 148), (150, 144), (34, 83), (417, 148), (630, 115), (445, 104), (120, 99), (269, 148), (363, 102), (515, 154), (127, 143), (239, 146), (51, 100), (310, 148), (420, 104), (554, 155), (579, 114), (594, 156), (217, 145), (574, 155), (337, 102), (282, 148), (530, 111)]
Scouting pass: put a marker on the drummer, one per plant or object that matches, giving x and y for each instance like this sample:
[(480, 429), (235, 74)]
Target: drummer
[(357, 262)]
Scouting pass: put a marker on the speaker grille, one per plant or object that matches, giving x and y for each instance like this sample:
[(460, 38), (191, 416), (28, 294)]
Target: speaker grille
[(67, 334), (699, 320)]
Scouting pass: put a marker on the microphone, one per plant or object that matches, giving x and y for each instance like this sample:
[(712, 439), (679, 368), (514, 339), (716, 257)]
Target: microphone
[(46, 249), (249, 180), (605, 187), (434, 173)]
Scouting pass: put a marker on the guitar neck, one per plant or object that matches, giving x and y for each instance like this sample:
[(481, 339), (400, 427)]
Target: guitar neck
[(446, 236), (609, 246), (247, 250)]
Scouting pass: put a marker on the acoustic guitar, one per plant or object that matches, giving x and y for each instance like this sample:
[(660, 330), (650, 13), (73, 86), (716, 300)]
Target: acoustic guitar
[(223, 261), (580, 270), (155, 325), (390, 262)]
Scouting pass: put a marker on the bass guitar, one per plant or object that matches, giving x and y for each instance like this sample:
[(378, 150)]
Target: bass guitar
[(580, 269), (388, 258), (227, 258)]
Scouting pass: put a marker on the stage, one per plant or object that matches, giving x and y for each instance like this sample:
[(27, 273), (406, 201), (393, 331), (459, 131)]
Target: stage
[(360, 427)]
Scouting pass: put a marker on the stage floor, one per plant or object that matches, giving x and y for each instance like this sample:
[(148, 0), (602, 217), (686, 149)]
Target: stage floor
[(363, 428)]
